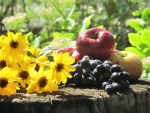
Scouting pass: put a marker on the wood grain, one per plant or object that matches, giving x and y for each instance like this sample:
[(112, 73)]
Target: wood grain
[(69, 99)]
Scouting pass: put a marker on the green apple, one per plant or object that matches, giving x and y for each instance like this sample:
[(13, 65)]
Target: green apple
[(129, 62)]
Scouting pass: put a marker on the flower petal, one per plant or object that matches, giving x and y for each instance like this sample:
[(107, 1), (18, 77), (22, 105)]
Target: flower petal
[(53, 87), (68, 61), (69, 68)]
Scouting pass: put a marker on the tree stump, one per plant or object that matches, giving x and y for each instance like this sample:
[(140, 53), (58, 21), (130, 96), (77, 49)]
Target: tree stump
[(69, 99)]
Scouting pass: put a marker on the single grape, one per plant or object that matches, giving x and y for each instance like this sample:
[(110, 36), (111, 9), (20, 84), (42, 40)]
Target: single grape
[(78, 79), (108, 62), (109, 88), (93, 64), (115, 76), (104, 84), (84, 63), (124, 75), (98, 61), (101, 69), (87, 57), (117, 86), (107, 66), (123, 84), (78, 68), (115, 68)]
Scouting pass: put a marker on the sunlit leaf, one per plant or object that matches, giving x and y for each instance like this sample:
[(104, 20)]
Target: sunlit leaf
[(67, 23), (85, 24), (137, 24), (136, 13), (134, 39), (146, 14), (62, 35), (71, 12), (146, 37), (136, 51), (30, 35), (147, 51), (36, 42)]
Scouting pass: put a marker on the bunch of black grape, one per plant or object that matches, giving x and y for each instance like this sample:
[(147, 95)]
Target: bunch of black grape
[(102, 75)]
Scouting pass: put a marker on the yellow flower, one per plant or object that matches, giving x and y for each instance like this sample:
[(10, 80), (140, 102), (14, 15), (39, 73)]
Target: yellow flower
[(62, 66), (39, 60), (7, 79), (24, 72), (34, 51), (14, 45), (42, 82), (4, 61), (1, 40)]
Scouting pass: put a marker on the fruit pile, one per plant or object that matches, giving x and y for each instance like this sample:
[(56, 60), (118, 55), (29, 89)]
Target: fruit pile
[(99, 64), (105, 75)]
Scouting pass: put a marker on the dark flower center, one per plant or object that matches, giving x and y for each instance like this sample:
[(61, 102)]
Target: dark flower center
[(59, 67), (23, 75), (37, 67), (2, 64), (42, 82), (3, 82), (14, 44)]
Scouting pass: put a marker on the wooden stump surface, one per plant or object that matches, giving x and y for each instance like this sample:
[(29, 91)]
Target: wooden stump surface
[(135, 99)]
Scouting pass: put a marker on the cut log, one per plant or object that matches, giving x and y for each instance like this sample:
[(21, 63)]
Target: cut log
[(69, 99)]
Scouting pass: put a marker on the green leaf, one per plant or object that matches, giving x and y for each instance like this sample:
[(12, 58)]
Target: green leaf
[(146, 51), (146, 37), (134, 39), (36, 42), (136, 13), (100, 26), (75, 15), (30, 35), (137, 24), (141, 47), (85, 24), (67, 23), (46, 50), (29, 53), (136, 51), (146, 15), (62, 35), (71, 12)]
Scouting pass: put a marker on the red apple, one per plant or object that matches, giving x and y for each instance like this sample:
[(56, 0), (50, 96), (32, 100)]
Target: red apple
[(114, 51), (75, 54), (96, 42), (66, 49), (129, 62)]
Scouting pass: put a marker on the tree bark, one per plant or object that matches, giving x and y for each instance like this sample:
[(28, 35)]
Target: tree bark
[(135, 99)]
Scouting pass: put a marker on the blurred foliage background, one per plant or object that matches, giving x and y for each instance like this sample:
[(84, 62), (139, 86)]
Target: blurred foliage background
[(58, 23)]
